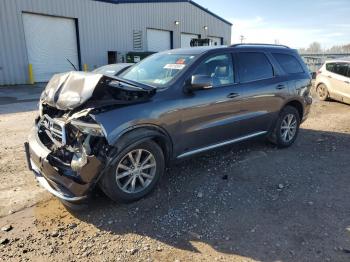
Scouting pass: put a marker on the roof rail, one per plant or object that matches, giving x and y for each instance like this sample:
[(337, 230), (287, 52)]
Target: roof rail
[(259, 44)]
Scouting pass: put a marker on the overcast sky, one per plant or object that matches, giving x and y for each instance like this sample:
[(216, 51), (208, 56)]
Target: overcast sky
[(296, 23)]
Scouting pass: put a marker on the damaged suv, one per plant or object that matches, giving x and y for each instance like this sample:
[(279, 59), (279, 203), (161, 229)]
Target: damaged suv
[(120, 132)]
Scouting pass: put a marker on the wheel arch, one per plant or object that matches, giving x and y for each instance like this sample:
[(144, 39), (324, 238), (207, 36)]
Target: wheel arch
[(297, 105), (320, 83), (141, 133)]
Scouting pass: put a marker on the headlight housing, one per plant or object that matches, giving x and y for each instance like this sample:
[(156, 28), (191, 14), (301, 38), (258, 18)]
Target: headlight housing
[(92, 129)]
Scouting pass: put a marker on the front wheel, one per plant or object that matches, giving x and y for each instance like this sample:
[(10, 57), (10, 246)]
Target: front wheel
[(322, 92), (286, 128), (135, 172)]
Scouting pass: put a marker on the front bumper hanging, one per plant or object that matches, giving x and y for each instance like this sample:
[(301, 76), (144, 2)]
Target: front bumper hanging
[(54, 180)]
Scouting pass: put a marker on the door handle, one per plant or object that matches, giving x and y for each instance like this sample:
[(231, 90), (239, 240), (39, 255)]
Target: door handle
[(348, 82), (330, 77), (280, 86), (232, 95)]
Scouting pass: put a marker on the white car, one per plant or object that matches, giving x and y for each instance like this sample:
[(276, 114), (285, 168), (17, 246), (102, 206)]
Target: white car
[(333, 80)]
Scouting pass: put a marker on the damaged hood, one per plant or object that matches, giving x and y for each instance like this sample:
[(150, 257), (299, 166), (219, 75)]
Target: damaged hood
[(70, 90)]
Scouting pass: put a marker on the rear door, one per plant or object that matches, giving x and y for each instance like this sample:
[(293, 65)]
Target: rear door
[(337, 76), (261, 92), (342, 80)]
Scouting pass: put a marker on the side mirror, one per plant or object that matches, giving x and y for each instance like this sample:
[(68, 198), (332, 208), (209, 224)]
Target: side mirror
[(199, 82)]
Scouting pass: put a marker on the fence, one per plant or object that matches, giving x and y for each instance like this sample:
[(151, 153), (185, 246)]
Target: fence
[(315, 61)]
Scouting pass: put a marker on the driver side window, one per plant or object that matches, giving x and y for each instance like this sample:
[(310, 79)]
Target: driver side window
[(219, 68)]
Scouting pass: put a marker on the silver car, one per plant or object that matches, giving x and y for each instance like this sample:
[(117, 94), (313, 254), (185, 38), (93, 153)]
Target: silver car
[(113, 69), (333, 80)]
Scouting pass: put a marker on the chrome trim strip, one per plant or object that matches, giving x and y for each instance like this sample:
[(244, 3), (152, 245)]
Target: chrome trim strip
[(221, 144), (43, 182)]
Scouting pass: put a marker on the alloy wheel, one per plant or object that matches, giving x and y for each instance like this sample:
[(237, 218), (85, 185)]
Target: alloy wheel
[(135, 171), (322, 92), (288, 128)]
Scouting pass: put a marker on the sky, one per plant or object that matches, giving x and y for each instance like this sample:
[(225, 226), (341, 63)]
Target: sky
[(295, 23)]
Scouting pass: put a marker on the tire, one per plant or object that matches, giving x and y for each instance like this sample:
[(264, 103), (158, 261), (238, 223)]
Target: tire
[(123, 180), (322, 92), (288, 119)]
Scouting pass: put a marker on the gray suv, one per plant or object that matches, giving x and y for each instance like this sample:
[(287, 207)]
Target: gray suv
[(121, 131)]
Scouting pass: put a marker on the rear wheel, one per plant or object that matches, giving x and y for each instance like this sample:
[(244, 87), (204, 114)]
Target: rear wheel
[(287, 127), (135, 172), (322, 92)]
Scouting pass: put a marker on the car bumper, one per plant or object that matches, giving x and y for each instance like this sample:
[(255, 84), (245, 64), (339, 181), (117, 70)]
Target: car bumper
[(307, 106), (63, 183)]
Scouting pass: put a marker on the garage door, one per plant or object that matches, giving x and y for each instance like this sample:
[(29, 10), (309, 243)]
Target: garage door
[(158, 40), (186, 39), (215, 40), (50, 42)]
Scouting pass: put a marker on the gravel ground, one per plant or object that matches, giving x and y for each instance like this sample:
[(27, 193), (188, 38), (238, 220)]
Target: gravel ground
[(247, 202), (18, 189)]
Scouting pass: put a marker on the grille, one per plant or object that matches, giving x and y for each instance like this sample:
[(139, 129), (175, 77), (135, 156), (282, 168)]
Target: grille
[(55, 129)]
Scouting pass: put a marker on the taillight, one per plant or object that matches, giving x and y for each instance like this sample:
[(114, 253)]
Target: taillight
[(318, 72)]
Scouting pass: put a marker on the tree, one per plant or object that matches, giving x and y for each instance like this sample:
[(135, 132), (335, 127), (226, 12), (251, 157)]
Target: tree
[(315, 48), (346, 48)]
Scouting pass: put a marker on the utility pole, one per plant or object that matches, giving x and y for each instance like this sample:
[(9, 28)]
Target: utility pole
[(242, 38)]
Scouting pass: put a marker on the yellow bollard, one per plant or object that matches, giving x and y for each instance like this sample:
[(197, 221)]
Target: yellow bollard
[(30, 74), (85, 67)]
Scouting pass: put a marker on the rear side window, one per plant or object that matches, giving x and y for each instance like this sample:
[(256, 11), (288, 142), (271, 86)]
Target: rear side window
[(338, 68), (342, 69), (288, 63), (253, 66), (330, 67)]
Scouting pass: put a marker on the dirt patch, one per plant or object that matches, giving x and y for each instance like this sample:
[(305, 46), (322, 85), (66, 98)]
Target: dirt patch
[(18, 189), (247, 202)]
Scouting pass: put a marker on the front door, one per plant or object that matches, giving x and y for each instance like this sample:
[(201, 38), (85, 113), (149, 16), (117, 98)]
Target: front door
[(211, 116)]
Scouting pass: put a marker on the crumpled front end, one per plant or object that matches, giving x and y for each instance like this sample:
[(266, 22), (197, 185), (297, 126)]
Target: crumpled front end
[(67, 91), (66, 159), (67, 149)]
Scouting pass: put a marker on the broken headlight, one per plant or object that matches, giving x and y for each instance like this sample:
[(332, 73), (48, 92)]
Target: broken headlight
[(92, 129)]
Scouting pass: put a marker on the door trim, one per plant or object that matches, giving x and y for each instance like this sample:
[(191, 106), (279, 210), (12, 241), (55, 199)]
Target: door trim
[(242, 138)]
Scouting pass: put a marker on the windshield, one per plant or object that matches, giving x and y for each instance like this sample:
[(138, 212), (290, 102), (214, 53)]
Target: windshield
[(158, 69), (113, 69)]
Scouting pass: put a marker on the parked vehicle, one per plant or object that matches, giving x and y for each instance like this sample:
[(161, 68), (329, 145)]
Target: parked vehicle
[(121, 132), (333, 80), (112, 69)]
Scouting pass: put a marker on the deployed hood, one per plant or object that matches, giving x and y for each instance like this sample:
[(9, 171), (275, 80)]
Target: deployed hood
[(70, 90)]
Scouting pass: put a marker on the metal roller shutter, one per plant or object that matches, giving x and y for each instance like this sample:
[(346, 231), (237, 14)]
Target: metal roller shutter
[(215, 40), (50, 42), (158, 40), (186, 39)]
